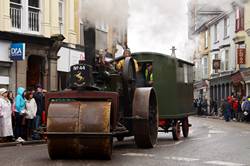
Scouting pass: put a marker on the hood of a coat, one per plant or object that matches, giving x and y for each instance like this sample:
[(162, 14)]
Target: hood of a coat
[(20, 91)]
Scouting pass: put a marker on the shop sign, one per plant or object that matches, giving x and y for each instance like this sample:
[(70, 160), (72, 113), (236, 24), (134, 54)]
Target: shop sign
[(17, 51), (236, 77), (241, 54), (216, 64)]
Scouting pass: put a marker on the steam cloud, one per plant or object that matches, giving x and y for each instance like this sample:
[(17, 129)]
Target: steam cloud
[(152, 25), (159, 25), (112, 12)]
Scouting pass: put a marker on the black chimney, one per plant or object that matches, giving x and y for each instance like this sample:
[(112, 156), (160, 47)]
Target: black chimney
[(89, 43)]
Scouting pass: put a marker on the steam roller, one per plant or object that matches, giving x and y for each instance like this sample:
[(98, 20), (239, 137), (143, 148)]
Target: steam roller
[(80, 129), (100, 104)]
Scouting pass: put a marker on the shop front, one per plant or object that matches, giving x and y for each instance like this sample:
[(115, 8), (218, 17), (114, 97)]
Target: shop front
[(246, 78), (67, 57), (38, 64), (5, 65), (201, 89), (220, 87), (239, 87)]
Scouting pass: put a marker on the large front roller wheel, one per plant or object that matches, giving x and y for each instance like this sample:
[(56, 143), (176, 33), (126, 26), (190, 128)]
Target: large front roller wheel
[(79, 130), (145, 112)]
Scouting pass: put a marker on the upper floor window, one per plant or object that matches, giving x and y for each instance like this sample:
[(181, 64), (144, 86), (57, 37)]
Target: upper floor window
[(25, 15), (239, 25), (226, 59), (16, 13), (215, 33), (206, 39), (226, 27), (205, 67), (34, 15), (81, 34), (61, 15), (102, 26), (216, 57)]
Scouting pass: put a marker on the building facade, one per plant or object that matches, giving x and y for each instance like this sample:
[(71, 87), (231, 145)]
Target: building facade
[(53, 35), (41, 25), (228, 53)]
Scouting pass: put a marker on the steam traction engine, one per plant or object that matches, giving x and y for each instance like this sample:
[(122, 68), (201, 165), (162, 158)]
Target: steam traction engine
[(101, 104)]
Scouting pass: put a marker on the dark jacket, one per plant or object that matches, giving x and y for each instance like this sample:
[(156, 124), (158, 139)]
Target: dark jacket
[(38, 96)]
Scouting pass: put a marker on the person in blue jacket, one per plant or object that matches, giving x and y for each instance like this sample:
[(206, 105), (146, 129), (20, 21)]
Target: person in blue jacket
[(19, 113)]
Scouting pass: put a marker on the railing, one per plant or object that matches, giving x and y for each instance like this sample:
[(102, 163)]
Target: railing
[(15, 15), (33, 20)]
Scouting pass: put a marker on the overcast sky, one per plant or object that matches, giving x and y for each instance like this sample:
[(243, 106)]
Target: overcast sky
[(158, 25)]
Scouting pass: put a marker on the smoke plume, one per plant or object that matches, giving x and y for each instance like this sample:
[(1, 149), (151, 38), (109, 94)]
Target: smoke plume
[(111, 12)]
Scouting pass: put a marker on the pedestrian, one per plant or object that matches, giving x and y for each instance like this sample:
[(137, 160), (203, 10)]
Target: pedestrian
[(227, 109), (19, 114), (6, 129), (199, 106), (235, 105), (30, 114), (39, 98), (12, 101), (246, 109), (149, 75), (215, 108)]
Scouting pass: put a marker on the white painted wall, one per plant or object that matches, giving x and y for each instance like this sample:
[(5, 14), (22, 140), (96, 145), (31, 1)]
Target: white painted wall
[(224, 41), (4, 51), (68, 57)]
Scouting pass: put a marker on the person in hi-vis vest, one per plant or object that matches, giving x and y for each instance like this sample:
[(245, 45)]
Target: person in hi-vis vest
[(149, 75), (120, 64)]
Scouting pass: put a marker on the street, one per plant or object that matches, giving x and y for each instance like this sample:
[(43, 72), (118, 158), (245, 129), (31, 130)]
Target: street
[(211, 142)]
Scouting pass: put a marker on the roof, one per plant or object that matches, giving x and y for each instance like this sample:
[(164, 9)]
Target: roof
[(164, 55)]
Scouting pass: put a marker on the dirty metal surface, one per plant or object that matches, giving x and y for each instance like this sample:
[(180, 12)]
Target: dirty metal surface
[(74, 122)]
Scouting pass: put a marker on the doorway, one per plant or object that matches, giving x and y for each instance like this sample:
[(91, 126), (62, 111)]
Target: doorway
[(35, 70)]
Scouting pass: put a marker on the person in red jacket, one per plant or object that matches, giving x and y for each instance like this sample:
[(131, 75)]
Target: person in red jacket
[(235, 105)]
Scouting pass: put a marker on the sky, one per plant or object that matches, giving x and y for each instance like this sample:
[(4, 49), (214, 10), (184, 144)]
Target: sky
[(153, 25), (158, 25)]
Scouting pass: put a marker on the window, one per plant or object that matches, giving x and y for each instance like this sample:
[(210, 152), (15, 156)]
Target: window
[(226, 59), (34, 15), (205, 67), (216, 56), (81, 34), (239, 25), (25, 15), (102, 26), (226, 27), (206, 39), (215, 33), (185, 73), (61, 15), (16, 13)]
